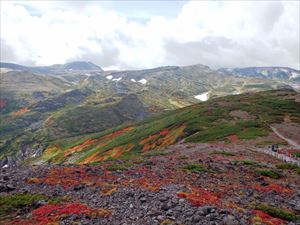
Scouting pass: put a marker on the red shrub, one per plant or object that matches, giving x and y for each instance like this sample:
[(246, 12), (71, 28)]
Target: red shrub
[(49, 214), (266, 218), (200, 197)]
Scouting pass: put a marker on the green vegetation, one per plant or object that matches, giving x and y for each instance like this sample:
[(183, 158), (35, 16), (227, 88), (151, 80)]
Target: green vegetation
[(14, 202), (205, 122), (223, 153), (279, 213), (269, 173), (244, 130), (252, 133), (246, 162), (289, 166), (296, 154), (194, 168), (118, 167)]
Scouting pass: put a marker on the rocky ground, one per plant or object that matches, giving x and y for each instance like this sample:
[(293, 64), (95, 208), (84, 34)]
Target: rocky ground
[(184, 184)]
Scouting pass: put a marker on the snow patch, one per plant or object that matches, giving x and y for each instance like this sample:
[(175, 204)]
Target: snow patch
[(265, 72), (294, 75), (202, 97), (117, 79), (133, 80), (143, 81), (109, 77)]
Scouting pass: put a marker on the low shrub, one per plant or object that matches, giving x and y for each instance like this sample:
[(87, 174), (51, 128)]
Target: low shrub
[(194, 167), (296, 154), (287, 166), (117, 167), (14, 202), (269, 173), (246, 162), (279, 213)]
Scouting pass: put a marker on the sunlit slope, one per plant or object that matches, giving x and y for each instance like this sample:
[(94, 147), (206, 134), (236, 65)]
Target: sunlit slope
[(247, 116)]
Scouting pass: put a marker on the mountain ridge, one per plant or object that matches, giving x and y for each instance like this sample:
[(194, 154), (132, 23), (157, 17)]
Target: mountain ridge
[(55, 68)]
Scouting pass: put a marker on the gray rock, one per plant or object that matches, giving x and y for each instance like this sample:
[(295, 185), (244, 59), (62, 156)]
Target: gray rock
[(206, 209), (79, 187), (169, 212), (7, 188), (143, 200), (196, 218), (229, 220)]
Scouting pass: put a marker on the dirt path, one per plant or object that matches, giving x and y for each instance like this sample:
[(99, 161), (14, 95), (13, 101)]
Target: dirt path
[(290, 141)]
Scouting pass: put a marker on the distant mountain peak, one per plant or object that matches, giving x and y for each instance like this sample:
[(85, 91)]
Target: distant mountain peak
[(81, 65), (54, 69)]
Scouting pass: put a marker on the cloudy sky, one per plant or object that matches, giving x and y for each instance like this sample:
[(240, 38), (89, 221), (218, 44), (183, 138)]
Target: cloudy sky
[(137, 34)]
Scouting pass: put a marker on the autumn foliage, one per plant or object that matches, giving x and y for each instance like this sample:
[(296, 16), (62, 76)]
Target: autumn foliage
[(49, 214), (90, 142), (200, 197), (71, 177), (21, 112), (273, 187), (264, 218)]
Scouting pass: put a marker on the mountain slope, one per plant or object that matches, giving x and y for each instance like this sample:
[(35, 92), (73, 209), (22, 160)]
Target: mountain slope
[(43, 104), (247, 117), (276, 73)]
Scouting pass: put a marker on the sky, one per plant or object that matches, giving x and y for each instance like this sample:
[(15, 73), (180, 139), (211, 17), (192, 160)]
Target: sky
[(146, 34)]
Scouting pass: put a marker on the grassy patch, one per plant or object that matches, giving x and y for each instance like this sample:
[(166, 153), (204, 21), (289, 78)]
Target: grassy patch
[(14, 202), (279, 213), (223, 153), (289, 166), (252, 133), (194, 168), (269, 173), (246, 162)]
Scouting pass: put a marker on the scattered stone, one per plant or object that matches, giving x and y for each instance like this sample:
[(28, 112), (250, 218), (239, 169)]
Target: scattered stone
[(143, 200), (7, 188), (78, 187), (229, 220)]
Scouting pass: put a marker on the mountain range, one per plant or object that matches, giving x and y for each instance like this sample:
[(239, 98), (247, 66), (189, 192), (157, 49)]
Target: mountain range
[(40, 105)]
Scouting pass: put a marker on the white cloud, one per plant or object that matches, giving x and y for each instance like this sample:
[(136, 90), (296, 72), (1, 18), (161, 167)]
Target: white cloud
[(218, 34)]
